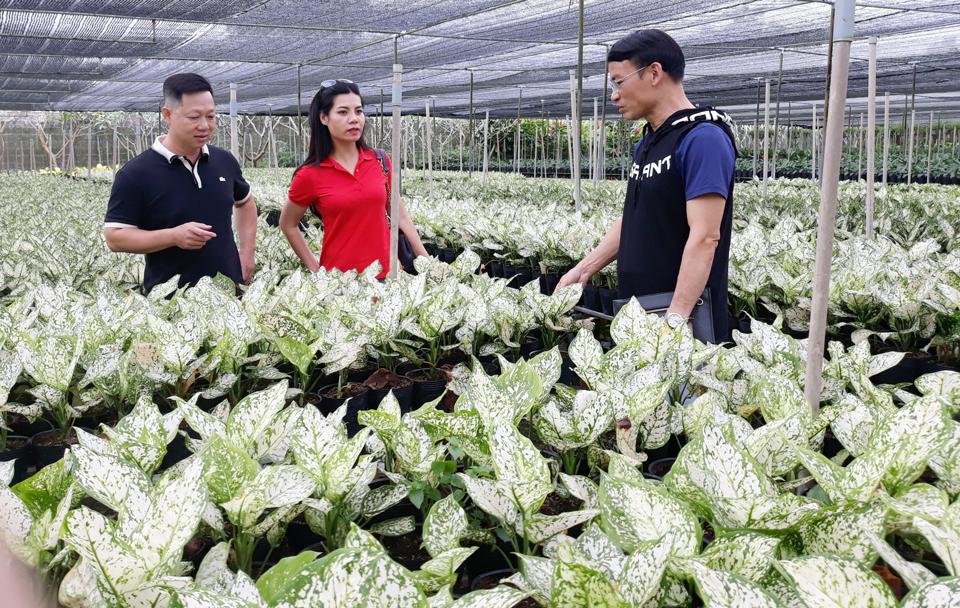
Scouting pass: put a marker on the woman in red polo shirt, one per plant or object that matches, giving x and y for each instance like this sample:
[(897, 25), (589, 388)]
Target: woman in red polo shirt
[(344, 181)]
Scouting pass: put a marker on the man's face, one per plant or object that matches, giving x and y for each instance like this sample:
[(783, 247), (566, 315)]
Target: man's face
[(634, 97), (191, 124)]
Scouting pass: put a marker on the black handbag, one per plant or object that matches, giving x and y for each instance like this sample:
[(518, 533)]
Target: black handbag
[(701, 318)]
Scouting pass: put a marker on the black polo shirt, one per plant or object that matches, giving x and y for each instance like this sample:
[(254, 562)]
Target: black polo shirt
[(159, 189)]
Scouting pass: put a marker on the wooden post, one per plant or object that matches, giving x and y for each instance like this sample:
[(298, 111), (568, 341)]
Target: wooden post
[(842, 37)]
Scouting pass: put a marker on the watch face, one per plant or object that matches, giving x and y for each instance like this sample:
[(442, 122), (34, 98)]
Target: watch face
[(674, 320)]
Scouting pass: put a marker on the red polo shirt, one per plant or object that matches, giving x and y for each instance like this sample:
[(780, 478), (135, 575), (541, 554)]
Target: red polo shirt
[(353, 207)]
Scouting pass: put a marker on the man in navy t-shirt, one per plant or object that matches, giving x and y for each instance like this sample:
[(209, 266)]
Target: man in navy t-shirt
[(674, 235), (177, 201)]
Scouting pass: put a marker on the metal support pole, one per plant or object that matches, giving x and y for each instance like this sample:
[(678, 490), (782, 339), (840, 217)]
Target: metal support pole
[(518, 141), (871, 132), (486, 149), (860, 149), (116, 152), (776, 119), (603, 122), (574, 133), (273, 145), (929, 147), (813, 144), (842, 36), (886, 135), (595, 136), (756, 132), (470, 160), (913, 120), (578, 115), (429, 143), (397, 104), (766, 134), (234, 144), (33, 157), (299, 113), (90, 153)]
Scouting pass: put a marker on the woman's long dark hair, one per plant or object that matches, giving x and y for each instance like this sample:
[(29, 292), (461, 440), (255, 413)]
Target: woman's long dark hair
[(321, 144)]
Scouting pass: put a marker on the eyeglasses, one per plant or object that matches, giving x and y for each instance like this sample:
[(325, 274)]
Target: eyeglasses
[(616, 83), (330, 83)]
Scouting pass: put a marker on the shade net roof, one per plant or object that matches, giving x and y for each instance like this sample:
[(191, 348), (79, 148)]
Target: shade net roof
[(113, 55)]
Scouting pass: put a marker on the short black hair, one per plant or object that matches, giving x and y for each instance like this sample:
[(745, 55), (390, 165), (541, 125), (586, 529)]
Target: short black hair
[(178, 85), (644, 47)]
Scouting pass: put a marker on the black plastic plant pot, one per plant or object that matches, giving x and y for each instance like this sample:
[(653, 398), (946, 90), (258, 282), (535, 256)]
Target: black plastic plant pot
[(509, 272), (548, 283), (177, 450), (661, 467), (49, 447), (524, 276), (529, 346), (404, 395), (490, 579), (450, 256), (607, 296), (300, 536), (356, 403), (19, 449), (907, 371), (591, 297), (428, 384), (495, 269)]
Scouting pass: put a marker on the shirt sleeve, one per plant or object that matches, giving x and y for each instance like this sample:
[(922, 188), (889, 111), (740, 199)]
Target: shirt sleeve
[(705, 159), (241, 189), (125, 209), (302, 191)]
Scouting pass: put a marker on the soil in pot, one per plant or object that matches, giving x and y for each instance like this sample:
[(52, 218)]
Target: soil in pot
[(23, 427), (361, 374), (382, 381), (357, 394), (19, 449), (428, 384), (407, 550), (50, 446), (892, 580), (554, 504)]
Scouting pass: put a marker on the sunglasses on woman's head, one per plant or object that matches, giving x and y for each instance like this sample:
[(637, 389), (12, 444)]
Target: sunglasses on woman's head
[(330, 83)]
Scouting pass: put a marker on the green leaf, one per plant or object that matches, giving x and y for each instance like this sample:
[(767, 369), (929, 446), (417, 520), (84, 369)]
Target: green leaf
[(643, 571), (519, 463), (43, 491), (633, 513), (840, 532), (394, 527), (273, 580), (254, 414), (443, 526), (935, 594), (748, 554), (576, 585), (585, 351), (213, 570), (836, 582), (498, 597), (721, 589), (913, 433), (539, 528), (118, 564), (945, 543), (227, 469), (446, 563), (202, 598), (174, 513), (914, 575), (116, 483)]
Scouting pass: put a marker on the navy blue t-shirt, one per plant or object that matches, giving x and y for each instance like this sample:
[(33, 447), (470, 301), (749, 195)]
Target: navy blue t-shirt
[(159, 190), (706, 159)]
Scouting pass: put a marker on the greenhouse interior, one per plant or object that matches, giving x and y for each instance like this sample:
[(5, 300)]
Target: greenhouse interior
[(450, 351)]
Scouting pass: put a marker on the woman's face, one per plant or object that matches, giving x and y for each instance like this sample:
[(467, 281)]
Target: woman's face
[(345, 120)]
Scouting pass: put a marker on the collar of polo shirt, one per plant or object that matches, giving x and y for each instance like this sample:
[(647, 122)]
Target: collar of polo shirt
[(162, 150)]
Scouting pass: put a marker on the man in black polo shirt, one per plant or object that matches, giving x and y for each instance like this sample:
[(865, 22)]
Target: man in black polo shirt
[(175, 202), (674, 235)]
